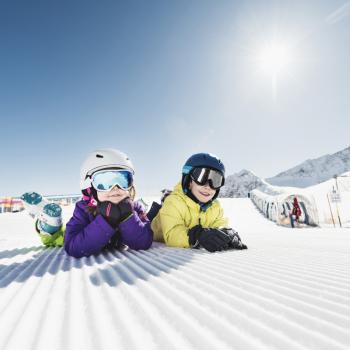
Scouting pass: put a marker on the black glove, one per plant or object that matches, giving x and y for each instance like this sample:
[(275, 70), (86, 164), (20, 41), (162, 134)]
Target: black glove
[(152, 213), (115, 213), (236, 242), (211, 239), (165, 193), (193, 235)]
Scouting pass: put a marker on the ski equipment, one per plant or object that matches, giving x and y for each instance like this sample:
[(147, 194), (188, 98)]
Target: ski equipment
[(203, 161), (50, 219), (49, 215), (101, 160), (115, 213), (105, 180), (202, 176), (33, 202)]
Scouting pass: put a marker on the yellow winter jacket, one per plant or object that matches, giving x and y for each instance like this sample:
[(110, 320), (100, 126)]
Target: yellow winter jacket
[(180, 213)]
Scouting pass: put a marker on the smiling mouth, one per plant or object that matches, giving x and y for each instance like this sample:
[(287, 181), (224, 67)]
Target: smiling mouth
[(205, 194)]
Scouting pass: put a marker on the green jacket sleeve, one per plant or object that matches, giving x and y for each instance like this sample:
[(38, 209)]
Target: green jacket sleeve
[(54, 240)]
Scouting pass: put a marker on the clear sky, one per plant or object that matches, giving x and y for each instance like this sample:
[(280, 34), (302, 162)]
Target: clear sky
[(262, 84)]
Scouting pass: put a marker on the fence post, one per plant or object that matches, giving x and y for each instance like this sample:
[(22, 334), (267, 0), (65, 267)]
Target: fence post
[(330, 208)]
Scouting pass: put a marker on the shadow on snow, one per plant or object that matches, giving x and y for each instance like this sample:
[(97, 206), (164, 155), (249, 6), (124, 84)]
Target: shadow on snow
[(110, 266)]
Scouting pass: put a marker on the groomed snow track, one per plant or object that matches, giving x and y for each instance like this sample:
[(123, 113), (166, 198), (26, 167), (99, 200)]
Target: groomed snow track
[(289, 290)]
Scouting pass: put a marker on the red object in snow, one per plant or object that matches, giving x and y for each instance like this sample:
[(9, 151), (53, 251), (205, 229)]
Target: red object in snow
[(296, 209)]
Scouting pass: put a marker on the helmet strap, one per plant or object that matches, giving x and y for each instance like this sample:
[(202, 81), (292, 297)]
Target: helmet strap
[(186, 179)]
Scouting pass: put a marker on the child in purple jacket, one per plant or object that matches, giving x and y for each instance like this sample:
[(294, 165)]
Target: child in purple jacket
[(106, 217)]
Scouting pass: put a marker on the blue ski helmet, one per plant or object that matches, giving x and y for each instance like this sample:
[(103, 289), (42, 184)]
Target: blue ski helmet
[(198, 160), (205, 160)]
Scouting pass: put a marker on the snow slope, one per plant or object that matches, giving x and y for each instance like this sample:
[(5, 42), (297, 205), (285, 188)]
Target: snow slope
[(289, 290), (328, 209)]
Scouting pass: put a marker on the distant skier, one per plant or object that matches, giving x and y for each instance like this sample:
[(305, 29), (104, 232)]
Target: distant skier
[(296, 212), (190, 215), (106, 217)]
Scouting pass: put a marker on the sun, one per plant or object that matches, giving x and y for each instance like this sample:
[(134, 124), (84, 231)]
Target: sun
[(274, 59)]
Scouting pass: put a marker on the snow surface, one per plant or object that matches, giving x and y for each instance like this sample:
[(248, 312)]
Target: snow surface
[(330, 213), (289, 290)]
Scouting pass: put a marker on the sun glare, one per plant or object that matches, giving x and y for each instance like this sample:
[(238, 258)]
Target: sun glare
[(274, 59)]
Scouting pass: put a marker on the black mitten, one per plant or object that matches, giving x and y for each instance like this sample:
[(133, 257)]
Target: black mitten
[(213, 239), (165, 193), (236, 242), (115, 213), (152, 213), (193, 236), (209, 238)]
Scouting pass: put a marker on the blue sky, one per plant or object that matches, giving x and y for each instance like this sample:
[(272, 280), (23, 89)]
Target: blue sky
[(161, 80)]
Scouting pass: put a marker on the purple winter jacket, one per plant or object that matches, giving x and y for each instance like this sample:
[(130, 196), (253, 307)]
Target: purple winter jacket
[(87, 234)]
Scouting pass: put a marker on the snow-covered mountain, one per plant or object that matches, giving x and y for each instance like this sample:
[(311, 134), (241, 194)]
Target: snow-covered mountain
[(238, 185), (309, 173), (314, 171)]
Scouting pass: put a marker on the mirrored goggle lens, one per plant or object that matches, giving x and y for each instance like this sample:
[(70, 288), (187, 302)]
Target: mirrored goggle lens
[(106, 180), (203, 176)]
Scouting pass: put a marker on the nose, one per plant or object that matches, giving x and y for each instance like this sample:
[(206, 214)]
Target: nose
[(115, 189), (207, 185)]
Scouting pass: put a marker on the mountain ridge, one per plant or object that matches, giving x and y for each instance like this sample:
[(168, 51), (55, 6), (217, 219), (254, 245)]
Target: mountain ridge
[(308, 173)]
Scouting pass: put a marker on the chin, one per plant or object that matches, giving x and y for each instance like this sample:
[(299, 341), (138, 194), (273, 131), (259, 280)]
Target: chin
[(114, 200), (206, 200)]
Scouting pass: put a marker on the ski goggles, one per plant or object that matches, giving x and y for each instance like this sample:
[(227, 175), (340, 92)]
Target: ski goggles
[(202, 176), (105, 180)]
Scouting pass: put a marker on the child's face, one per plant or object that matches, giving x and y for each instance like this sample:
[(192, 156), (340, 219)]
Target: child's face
[(115, 195), (203, 193)]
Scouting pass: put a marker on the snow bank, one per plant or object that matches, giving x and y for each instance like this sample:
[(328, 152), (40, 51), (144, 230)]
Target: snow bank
[(326, 204)]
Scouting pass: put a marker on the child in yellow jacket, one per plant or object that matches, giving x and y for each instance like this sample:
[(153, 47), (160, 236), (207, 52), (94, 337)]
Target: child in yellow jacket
[(191, 216)]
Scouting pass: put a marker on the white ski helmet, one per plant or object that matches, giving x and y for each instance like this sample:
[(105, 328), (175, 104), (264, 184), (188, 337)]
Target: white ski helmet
[(103, 159)]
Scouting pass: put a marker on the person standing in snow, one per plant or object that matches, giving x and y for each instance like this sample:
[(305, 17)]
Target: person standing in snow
[(106, 217), (190, 215), (296, 212)]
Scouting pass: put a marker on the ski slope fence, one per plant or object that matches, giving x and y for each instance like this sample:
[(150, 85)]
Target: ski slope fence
[(278, 207), (326, 204)]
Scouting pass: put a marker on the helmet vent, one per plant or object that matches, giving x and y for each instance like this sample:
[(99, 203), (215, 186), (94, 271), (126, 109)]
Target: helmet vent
[(99, 156)]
